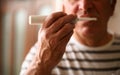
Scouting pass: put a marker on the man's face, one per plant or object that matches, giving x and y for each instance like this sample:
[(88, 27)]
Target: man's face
[(100, 9)]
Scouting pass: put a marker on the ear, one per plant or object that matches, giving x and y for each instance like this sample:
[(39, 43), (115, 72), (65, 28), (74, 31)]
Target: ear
[(113, 3)]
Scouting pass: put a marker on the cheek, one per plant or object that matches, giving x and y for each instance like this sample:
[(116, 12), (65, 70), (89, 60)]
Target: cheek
[(70, 9), (104, 12)]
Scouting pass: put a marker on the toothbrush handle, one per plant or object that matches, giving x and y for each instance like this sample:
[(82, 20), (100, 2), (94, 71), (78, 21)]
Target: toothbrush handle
[(36, 19)]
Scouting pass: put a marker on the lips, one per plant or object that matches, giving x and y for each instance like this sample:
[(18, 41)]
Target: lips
[(89, 14)]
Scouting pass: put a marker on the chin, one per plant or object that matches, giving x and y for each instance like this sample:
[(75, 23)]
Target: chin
[(89, 26)]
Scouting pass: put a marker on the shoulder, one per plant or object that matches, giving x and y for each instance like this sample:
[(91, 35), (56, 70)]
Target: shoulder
[(116, 41), (117, 36)]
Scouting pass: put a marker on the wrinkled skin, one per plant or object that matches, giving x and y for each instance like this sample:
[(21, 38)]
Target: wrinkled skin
[(53, 37)]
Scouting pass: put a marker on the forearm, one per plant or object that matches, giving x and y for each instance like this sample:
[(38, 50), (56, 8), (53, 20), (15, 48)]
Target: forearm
[(36, 68)]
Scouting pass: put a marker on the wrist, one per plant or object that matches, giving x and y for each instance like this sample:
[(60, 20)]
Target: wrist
[(37, 68), (42, 68)]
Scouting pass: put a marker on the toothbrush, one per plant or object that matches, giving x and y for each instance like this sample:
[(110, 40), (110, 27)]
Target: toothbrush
[(38, 20)]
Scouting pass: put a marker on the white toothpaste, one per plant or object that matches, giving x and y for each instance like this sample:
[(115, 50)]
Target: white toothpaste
[(38, 20)]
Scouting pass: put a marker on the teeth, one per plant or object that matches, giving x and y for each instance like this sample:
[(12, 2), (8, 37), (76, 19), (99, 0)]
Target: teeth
[(38, 20)]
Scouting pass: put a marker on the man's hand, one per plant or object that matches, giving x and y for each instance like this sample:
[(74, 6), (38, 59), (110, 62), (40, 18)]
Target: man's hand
[(52, 40)]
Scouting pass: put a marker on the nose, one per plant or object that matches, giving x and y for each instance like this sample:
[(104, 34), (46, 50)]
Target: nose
[(85, 5)]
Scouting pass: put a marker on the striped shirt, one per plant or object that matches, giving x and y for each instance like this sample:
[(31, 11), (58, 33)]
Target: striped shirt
[(82, 60)]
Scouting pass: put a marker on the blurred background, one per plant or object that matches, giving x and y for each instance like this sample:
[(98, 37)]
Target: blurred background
[(17, 36)]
